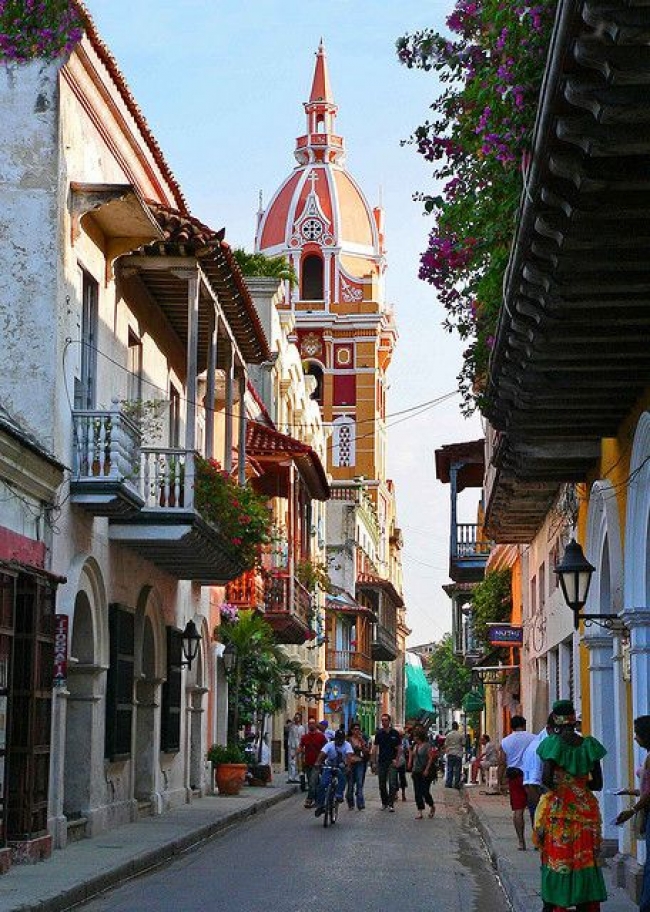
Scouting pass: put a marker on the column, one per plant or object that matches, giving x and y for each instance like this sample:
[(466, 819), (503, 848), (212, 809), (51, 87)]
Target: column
[(230, 404), (57, 821), (210, 388), (637, 621), (599, 645), (241, 449)]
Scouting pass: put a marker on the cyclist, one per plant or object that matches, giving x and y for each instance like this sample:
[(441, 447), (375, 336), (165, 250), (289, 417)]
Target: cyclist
[(333, 759)]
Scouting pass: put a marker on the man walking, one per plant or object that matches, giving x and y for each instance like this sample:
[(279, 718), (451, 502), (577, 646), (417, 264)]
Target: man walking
[(386, 756), (296, 732), (311, 744), (511, 762), (454, 752)]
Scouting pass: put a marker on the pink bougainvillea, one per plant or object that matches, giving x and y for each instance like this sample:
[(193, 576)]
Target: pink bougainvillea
[(38, 29), (478, 140)]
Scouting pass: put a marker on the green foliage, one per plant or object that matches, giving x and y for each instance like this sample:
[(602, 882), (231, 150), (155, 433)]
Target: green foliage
[(313, 575), (454, 680), (256, 264), (239, 512), (257, 681), (225, 753), (491, 602), (477, 137)]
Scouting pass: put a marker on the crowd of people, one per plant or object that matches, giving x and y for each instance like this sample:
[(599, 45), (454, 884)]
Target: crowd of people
[(550, 776)]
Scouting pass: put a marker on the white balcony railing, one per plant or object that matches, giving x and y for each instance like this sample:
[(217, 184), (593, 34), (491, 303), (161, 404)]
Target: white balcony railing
[(106, 445)]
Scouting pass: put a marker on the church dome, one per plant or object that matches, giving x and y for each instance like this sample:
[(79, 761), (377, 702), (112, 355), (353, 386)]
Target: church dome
[(320, 205)]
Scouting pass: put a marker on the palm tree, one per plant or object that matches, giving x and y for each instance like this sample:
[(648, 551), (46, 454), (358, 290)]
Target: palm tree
[(262, 662), (256, 264)]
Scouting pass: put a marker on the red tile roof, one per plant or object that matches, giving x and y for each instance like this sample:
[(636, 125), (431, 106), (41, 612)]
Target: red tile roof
[(263, 441)]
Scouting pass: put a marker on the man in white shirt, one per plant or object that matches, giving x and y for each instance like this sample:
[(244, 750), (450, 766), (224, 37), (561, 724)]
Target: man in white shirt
[(296, 732), (511, 763), (532, 769), (334, 761)]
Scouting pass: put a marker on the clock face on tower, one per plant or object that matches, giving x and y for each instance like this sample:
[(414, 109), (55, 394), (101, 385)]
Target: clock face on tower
[(311, 229)]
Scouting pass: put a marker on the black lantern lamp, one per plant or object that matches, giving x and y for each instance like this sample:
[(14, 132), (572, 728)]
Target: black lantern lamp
[(229, 657), (190, 640), (308, 694), (574, 573)]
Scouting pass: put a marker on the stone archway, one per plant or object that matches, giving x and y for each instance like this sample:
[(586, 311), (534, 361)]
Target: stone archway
[(84, 731), (149, 676), (606, 688)]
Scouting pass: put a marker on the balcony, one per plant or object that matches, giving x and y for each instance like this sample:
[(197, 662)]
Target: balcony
[(345, 660), (383, 646), (469, 553), (147, 493), (247, 591), (106, 462), (287, 607)]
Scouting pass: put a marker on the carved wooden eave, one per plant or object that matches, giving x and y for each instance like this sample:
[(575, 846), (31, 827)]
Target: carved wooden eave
[(571, 356)]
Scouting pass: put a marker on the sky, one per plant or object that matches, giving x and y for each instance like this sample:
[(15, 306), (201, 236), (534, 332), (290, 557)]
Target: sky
[(222, 85)]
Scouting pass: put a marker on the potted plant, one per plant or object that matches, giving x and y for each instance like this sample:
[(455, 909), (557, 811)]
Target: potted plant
[(229, 765)]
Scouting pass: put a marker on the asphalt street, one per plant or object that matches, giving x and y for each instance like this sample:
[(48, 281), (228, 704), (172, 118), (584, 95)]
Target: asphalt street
[(284, 860)]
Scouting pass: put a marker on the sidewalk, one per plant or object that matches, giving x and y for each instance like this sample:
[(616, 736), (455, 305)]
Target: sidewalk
[(90, 866), (519, 871)]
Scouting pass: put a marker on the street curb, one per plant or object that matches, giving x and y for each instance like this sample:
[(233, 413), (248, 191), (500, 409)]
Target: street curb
[(150, 859), (500, 864)]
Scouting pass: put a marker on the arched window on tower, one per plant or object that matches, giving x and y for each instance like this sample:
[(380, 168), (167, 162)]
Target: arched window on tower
[(313, 369), (312, 278), (343, 441)]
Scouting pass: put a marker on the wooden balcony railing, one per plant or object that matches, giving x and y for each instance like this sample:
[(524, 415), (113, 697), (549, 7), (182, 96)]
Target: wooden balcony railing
[(348, 660), (278, 597), (247, 591)]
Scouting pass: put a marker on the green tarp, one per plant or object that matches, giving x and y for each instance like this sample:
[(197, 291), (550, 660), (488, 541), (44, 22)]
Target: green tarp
[(418, 692)]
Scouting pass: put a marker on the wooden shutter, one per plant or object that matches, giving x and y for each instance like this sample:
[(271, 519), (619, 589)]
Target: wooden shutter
[(119, 685), (170, 727)]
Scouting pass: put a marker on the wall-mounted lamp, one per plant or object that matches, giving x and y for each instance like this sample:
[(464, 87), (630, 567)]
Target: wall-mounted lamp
[(190, 641), (574, 573)]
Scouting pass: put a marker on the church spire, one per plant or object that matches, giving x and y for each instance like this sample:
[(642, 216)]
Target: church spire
[(320, 143)]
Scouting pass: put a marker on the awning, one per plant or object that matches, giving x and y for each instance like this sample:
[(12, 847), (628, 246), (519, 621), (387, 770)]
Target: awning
[(372, 583), (418, 692), (272, 450), (343, 603)]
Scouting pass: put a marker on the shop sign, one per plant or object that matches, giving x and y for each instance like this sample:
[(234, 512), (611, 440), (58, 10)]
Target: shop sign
[(505, 635), (60, 649)]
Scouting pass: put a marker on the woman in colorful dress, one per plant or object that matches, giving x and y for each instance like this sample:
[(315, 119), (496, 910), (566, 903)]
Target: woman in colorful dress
[(567, 821), (642, 806)]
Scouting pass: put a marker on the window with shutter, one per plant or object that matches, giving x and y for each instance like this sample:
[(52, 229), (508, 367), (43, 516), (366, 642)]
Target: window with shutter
[(119, 684), (170, 723)]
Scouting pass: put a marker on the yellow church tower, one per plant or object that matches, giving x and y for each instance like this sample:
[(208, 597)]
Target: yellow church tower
[(321, 222)]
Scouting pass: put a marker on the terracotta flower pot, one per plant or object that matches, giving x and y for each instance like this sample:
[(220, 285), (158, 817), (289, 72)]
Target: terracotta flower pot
[(230, 777)]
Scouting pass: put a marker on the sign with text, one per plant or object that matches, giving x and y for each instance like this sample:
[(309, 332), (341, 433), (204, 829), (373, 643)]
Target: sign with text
[(505, 635), (60, 649)]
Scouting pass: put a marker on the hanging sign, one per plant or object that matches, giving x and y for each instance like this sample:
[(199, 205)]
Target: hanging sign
[(505, 635), (60, 649)]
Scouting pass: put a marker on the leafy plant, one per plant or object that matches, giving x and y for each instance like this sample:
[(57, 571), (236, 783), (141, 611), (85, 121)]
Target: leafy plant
[(257, 264), (313, 575), (38, 29), (148, 415), (242, 515), (478, 141), (225, 753), (491, 602), (454, 680)]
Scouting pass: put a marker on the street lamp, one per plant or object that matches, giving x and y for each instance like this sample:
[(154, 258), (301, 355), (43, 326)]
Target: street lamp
[(229, 657), (309, 693), (574, 573), (190, 640)]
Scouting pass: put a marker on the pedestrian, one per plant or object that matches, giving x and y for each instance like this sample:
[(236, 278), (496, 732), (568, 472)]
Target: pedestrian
[(333, 759), (285, 742), (326, 730), (311, 744), (641, 807), (386, 753), (511, 755), (358, 763), (488, 756), (532, 768), (402, 781), (421, 764), (567, 828), (454, 752), (296, 732)]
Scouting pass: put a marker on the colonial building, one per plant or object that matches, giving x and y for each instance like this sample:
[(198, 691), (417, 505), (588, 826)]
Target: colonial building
[(320, 220), (569, 441), (127, 331)]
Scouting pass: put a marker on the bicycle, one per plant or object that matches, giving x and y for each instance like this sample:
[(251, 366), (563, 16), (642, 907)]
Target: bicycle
[(331, 805)]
